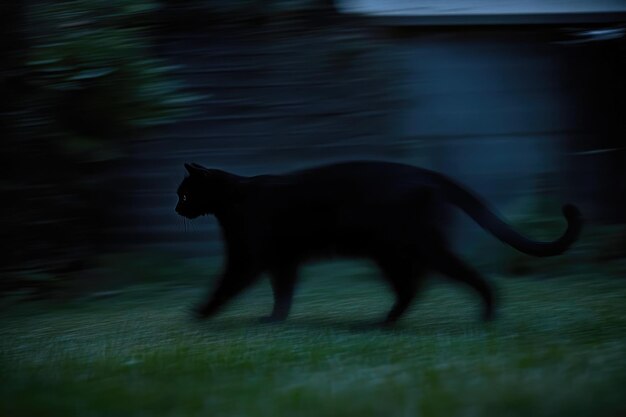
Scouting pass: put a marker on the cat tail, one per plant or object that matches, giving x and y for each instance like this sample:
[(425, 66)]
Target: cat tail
[(487, 218)]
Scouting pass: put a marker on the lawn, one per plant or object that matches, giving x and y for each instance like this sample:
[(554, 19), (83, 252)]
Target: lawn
[(558, 347)]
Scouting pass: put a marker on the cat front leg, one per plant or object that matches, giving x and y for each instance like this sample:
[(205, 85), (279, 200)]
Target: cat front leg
[(404, 276), (283, 282), (232, 282)]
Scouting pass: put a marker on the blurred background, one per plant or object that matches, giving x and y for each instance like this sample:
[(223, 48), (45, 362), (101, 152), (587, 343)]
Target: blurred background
[(102, 101)]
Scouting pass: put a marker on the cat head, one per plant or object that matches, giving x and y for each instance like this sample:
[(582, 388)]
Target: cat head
[(203, 191)]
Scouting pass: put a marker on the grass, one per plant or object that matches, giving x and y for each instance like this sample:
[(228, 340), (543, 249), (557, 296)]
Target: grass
[(557, 348)]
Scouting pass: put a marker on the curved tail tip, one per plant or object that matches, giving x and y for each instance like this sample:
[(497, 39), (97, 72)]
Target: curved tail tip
[(571, 212)]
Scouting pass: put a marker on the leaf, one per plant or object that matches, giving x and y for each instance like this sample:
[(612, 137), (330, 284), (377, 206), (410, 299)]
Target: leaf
[(43, 61), (92, 73), (182, 99), (65, 86), (56, 69), (141, 8)]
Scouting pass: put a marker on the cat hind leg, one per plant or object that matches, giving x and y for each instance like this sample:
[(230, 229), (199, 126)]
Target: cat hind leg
[(232, 282), (453, 267)]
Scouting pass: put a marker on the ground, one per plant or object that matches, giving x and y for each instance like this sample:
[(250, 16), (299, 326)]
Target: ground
[(556, 348)]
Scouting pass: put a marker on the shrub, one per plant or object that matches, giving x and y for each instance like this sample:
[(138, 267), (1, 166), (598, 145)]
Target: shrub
[(95, 69), (83, 83)]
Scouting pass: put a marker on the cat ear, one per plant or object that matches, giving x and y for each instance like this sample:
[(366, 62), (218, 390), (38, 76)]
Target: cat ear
[(195, 169)]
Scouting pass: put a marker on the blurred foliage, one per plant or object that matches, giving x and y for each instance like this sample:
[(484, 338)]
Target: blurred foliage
[(244, 11), (80, 81), (97, 70), (224, 7)]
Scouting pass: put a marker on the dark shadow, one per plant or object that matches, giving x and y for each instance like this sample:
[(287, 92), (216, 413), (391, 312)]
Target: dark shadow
[(349, 325)]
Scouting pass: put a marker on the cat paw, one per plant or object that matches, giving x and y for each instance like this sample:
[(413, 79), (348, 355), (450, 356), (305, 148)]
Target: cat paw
[(271, 319), (385, 324), (199, 313)]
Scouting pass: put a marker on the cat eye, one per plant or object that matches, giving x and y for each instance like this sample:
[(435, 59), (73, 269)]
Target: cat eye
[(184, 197)]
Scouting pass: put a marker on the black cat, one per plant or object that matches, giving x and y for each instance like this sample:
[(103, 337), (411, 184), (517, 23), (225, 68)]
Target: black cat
[(387, 212)]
